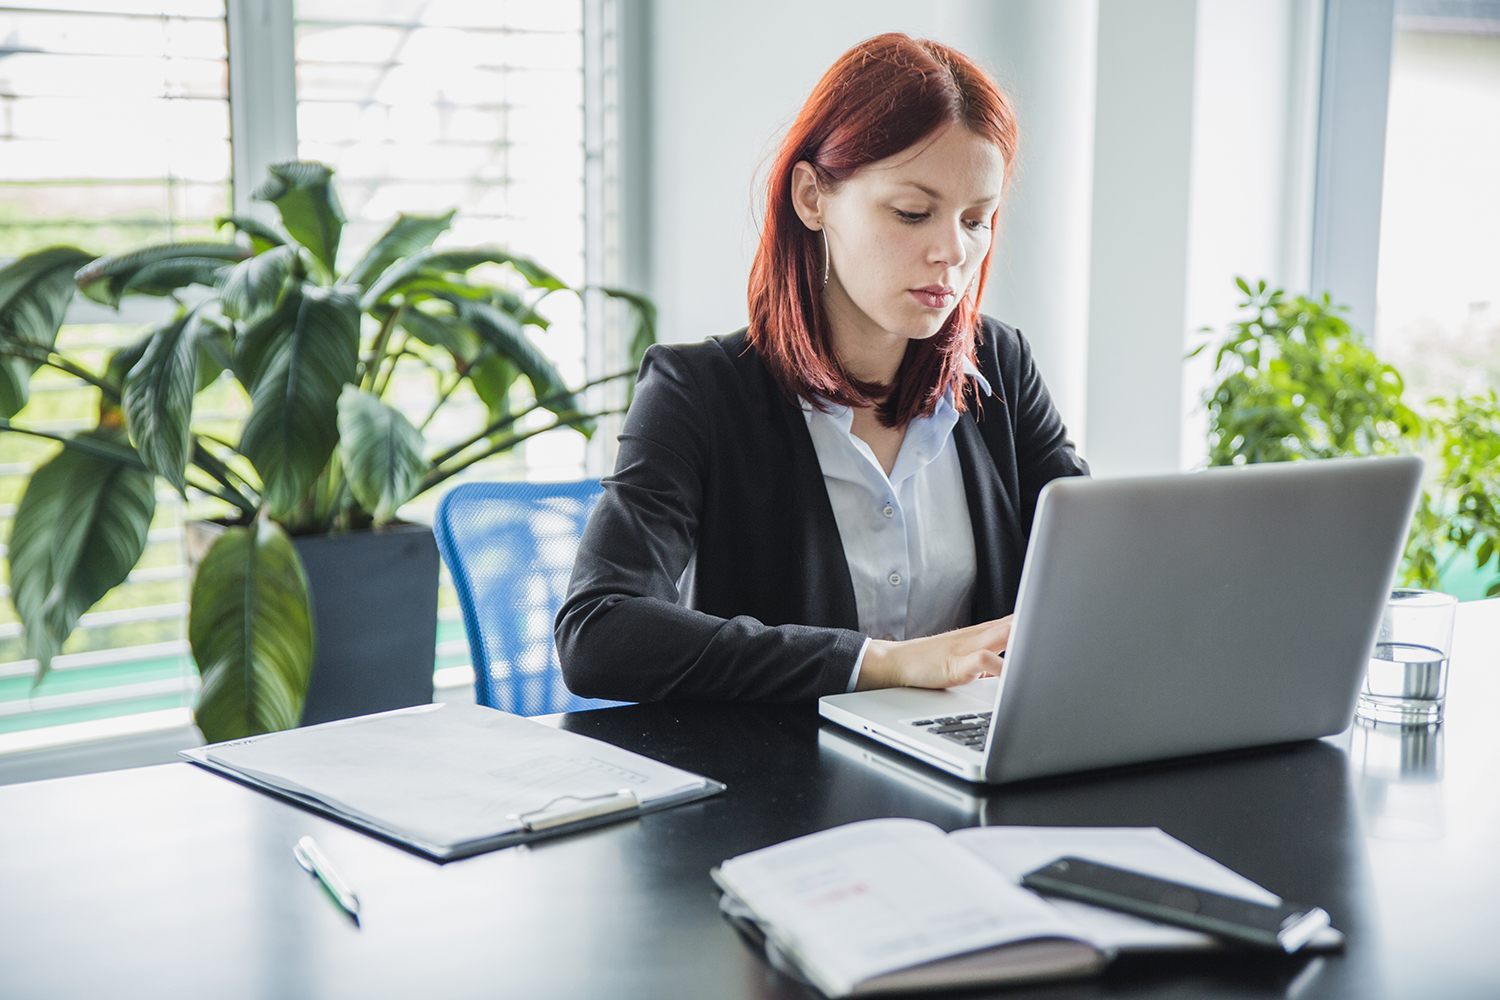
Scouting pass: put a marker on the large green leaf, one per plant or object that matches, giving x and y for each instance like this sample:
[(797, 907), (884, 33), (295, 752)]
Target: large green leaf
[(492, 379), (436, 263), (293, 424), (643, 329), (407, 235), (109, 278), (443, 330), (34, 295), (163, 277), (425, 287), (158, 400), (121, 361), (303, 193), (215, 350), (251, 634), (382, 453), (258, 338), (80, 528), (252, 288), (502, 332), (262, 236)]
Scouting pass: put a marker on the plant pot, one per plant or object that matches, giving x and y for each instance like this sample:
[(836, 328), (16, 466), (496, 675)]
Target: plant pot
[(374, 609), (374, 612)]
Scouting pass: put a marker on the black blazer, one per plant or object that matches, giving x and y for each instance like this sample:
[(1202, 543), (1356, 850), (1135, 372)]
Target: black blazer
[(716, 460)]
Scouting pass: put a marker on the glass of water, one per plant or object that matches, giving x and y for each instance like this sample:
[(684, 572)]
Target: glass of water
[(1408, 675)]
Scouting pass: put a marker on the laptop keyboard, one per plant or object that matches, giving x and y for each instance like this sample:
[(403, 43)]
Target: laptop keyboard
[(966, 730)]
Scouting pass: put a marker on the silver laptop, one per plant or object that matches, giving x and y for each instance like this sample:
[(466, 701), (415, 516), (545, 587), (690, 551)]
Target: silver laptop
[(1167, 616)]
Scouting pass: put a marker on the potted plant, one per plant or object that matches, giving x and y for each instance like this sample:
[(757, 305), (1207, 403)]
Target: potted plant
[(1295, 381), (322, 454)]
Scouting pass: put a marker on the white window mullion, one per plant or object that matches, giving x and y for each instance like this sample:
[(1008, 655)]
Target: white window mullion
[(262, 95)]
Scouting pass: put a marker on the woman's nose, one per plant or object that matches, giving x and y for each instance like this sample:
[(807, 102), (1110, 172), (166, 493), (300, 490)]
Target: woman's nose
[(948, 248)]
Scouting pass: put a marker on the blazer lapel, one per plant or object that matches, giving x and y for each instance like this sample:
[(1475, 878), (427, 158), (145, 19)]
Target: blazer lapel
[(992, 514), (813, 530)]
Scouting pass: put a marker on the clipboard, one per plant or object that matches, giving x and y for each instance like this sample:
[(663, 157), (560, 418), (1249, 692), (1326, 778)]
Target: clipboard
[(451, 781)]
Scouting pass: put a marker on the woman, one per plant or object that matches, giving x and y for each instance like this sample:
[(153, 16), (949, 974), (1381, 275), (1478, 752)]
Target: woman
[(838, 497)]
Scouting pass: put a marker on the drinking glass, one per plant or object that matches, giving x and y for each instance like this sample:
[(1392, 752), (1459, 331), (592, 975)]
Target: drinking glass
[(1407, 679)]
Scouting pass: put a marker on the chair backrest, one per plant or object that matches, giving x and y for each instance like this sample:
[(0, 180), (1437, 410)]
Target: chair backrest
[(510, 549)]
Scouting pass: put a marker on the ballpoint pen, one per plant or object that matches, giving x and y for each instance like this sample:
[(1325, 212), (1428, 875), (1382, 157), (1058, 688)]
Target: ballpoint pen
[(310, 856)]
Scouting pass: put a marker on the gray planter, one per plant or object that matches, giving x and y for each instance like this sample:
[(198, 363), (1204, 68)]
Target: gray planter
[(374, 608)]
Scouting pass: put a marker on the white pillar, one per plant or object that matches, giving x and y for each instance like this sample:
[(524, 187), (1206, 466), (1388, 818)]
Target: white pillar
[(1138, 261), (1043, 53)]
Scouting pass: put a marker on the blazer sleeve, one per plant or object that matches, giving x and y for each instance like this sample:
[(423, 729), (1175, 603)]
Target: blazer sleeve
[(622, 632)]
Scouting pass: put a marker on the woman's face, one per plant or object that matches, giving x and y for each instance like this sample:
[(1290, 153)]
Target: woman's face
[(906, 236)]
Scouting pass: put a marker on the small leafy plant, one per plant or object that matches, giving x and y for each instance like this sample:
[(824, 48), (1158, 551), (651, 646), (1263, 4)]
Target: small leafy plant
[(1460, 511), (321, 449), (1295, 381)]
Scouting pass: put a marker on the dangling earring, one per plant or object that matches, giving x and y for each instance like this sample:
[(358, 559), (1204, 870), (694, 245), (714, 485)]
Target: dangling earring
[(825, 258)]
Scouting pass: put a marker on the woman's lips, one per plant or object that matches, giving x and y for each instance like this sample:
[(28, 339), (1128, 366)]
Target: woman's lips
[(933, 296)]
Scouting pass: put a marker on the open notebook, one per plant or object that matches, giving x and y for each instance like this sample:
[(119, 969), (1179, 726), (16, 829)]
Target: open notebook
[(897, 904)]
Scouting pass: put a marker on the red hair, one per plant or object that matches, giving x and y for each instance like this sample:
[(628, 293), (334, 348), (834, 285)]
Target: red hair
[(885, 95)]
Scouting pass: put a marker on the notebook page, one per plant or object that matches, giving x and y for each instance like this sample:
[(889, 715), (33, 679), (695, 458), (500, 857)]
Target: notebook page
[(1017, 850), (868, 898)]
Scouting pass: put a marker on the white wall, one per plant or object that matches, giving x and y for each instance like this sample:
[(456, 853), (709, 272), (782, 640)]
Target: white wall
[(1044, 54), (727, 79), (1196, 109), (1143, 134)]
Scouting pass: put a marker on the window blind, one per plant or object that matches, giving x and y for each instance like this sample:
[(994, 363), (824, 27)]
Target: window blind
[(424, 107)]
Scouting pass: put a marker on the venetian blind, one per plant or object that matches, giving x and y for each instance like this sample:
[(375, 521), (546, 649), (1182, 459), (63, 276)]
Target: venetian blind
[(474, 105)]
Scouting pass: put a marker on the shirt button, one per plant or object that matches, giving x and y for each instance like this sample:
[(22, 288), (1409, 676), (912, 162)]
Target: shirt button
[(889, 511), (895, 579)]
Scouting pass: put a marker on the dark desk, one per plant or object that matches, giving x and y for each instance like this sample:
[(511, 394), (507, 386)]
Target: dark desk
[(172, 882)]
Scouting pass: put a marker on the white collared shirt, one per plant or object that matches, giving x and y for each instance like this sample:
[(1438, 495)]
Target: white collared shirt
[(907, 537)]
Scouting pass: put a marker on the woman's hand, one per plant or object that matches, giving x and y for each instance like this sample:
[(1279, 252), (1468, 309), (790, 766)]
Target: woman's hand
[(936, 661)]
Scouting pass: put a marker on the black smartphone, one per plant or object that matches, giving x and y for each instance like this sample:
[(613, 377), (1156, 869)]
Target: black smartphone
[(1286, 927)]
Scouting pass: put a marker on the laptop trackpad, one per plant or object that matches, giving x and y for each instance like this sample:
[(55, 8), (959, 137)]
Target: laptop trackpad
[(983, 690), (894, 705)]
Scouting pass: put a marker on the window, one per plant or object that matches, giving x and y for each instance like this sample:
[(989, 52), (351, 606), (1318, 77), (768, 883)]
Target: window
[(145, 159), (1439, 282), (420, 107)]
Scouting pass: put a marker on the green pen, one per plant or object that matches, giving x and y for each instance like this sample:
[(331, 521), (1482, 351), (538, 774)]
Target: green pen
[(310, 856)]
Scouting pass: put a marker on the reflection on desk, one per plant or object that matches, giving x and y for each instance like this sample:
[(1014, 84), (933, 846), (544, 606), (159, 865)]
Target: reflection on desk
[(172, 882), (1400, 779)]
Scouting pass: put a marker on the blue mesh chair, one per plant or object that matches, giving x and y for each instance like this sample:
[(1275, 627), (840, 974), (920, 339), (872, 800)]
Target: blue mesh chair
[(510, 550)]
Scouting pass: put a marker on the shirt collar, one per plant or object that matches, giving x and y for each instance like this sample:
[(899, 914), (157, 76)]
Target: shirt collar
[(843, 456)]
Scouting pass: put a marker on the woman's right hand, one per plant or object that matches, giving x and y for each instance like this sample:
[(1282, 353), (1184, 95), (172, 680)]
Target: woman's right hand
[(936, 661)]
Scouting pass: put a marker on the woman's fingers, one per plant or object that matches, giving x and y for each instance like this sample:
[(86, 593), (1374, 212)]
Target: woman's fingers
[(937, 661), (993, 635)]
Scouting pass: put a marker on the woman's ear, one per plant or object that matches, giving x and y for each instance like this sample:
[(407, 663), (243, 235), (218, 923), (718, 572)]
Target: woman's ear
[(807, 198)]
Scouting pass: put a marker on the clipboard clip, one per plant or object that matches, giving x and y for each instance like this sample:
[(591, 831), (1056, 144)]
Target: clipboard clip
[(571, 809)]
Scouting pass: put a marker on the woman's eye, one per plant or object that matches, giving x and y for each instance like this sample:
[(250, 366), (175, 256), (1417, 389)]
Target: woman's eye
[(976, 225), (912, 217)]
